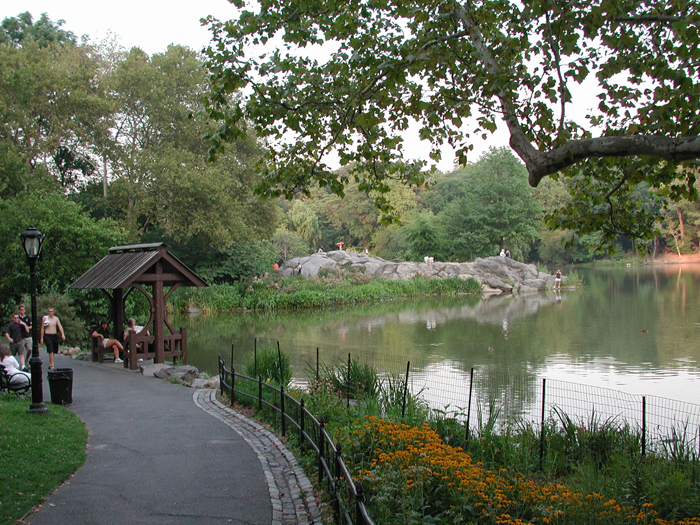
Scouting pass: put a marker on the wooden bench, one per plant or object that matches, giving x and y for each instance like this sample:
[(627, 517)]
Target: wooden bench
[(175, 347)]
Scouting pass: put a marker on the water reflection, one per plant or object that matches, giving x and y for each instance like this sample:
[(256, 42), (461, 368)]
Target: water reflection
[(633, 329)]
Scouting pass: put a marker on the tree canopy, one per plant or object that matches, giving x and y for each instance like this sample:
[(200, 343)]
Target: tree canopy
[(18, 31), (328, 76)]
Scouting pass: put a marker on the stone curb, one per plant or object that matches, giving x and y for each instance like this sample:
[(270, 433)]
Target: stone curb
[(291, 492)]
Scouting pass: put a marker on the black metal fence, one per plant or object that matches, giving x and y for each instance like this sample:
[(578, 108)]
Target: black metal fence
[(476, 397), (347, 496), (481, 396)]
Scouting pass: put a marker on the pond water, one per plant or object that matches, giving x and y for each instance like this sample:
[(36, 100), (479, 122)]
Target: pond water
[(631, 329)]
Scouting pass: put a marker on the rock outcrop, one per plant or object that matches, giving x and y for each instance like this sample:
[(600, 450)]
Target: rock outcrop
[(495, 274), (183, 374)]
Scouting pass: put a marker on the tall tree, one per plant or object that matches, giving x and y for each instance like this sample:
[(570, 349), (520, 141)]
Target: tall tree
[(20, 30), (73, 243), (497, 212), (424, 236), (459, 69), (158, 157), (305, 223), (53, 111)]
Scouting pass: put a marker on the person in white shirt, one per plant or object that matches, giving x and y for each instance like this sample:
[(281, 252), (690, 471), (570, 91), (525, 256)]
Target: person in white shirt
[(17, 376)]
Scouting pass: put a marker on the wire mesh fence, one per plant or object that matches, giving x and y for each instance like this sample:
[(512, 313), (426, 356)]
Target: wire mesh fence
[(482, 396)]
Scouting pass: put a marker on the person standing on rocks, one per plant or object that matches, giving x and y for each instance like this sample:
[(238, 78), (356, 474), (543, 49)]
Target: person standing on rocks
[(557, 280)]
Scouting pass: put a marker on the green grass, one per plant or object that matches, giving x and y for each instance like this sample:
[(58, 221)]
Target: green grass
[(340, 288), (39, 453)]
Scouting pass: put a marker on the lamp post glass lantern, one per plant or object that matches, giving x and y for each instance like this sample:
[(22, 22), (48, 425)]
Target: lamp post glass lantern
[(32, 240)]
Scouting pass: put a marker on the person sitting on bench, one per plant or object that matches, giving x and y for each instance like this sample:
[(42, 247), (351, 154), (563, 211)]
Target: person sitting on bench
[(133, 327), (102, 334), (18, 378)]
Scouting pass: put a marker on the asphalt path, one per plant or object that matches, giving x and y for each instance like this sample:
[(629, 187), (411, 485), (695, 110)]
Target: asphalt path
[(154, 457)]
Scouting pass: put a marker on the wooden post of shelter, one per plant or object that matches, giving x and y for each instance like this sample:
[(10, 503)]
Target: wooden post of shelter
[(138, 267)]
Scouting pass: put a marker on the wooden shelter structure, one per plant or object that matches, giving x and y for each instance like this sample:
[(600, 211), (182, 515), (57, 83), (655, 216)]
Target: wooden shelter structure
[(139, 267)]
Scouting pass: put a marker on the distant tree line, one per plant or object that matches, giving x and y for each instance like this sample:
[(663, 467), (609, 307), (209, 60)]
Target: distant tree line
[(101, 146)]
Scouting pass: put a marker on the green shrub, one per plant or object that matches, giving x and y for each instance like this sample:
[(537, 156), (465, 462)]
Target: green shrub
[(574, 279), (329, 289), (361, 381), (270, 365), (75, 329)]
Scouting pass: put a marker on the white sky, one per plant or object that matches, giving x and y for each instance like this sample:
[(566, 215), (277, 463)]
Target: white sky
[(154, 24), (149, 24)]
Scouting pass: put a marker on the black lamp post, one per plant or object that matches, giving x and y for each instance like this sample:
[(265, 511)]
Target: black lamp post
[(32, 239)]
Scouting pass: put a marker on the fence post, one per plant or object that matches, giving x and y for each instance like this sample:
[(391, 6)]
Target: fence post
[(321, 449), (255, 356), (231, 354), (336, 478), (644, 426), (260, 394), (348, 381), (222, 379), (302, 424), (283, 422), (469, 408), (405, 389), (279, 360), (233, 383), (544, 383), (359, 500)]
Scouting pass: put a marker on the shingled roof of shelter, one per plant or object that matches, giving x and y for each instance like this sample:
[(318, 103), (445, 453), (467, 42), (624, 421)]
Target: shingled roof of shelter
[(123, 266)]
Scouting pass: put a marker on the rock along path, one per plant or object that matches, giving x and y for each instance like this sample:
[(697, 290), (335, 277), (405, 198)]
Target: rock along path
[(157, 456)]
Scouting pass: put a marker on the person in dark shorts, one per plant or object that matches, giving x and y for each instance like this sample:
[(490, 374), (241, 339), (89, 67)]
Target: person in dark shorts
[(15, 335), (50, 328)]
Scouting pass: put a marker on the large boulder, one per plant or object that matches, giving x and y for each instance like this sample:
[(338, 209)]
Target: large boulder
[(495, 274)]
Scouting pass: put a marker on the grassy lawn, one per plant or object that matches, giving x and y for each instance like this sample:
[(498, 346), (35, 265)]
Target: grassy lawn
[(39, 453)]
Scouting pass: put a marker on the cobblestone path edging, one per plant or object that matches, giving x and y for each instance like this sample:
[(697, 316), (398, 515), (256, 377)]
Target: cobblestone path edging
[(291, 492)]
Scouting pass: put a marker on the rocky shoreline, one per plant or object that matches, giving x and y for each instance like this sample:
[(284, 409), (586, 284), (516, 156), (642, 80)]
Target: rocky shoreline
[(495, 274)]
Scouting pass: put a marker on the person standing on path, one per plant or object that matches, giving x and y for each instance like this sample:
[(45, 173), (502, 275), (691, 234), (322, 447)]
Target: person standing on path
[(50, 328), (14, 335), (27, 336)]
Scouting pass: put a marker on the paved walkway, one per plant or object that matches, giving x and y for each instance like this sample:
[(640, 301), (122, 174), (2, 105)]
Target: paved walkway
[(157, 456)]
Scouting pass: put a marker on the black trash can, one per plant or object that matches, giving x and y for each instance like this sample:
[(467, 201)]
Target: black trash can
[(61, 386)]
